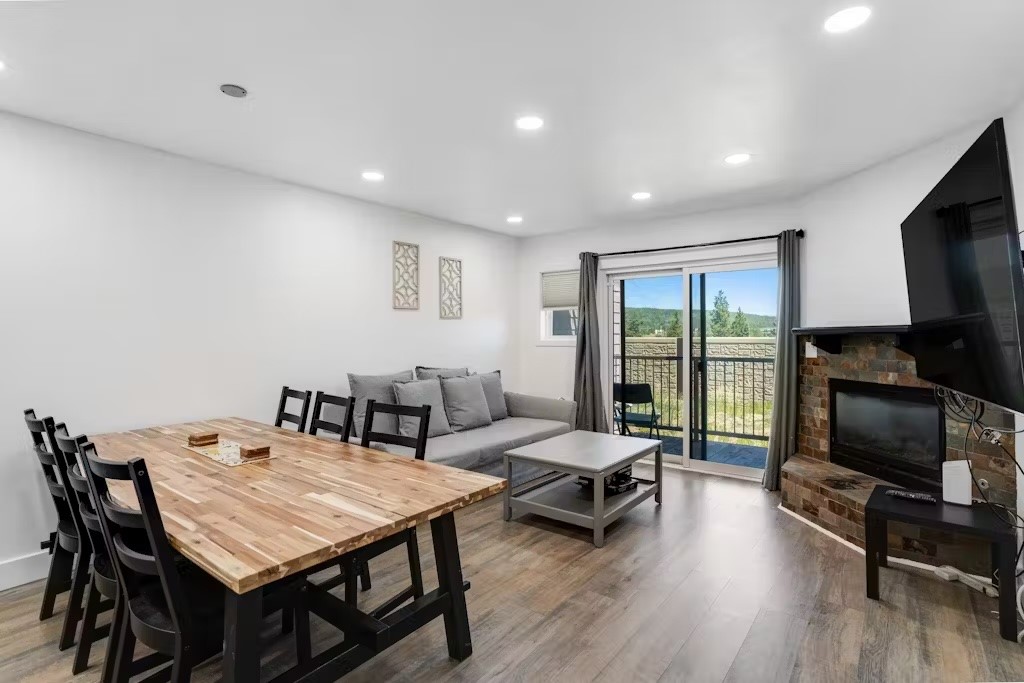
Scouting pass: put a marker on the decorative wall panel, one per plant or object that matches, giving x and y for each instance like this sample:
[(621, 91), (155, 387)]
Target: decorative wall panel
[(450, 274), (405, 275)]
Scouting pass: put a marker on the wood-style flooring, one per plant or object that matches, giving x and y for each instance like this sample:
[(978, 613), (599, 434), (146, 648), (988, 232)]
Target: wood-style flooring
[(716, 585)]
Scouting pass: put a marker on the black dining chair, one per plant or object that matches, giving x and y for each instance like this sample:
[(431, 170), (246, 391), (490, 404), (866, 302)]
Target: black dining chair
[(103, 586), (635, 395), (318, 423), (63, 542), (283, 415), (359, 561), (170, 605)]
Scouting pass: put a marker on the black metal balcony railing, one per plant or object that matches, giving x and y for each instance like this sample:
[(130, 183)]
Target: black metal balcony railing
[(739, 392)]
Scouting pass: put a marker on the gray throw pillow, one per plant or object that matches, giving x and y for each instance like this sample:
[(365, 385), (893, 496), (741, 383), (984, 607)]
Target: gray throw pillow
[(495, 394), (465, 402), (379, 388), (418, 393), (433, 373)]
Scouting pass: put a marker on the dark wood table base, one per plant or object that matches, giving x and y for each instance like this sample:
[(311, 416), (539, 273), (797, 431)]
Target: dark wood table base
[(365, 635), (974, 520)]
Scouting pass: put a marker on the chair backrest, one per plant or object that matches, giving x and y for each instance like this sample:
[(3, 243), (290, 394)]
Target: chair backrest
[(419, 443), (317, 423), (39, 428), (137, 537), (632, 393), (87, 523), (283, 416), (125, 521)]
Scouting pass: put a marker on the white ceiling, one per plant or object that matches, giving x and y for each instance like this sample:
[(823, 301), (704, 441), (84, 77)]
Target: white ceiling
[(642, 95)]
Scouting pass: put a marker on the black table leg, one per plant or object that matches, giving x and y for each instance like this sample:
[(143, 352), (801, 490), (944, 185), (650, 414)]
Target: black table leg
[(994, 554), (243, 616), (449, 580), (882, 542), (871, 555), (1007, 588)]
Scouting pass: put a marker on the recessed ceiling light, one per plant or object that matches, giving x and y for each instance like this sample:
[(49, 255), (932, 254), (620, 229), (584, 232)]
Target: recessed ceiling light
[(233, 90), (737, 159), (2, 66), (373, 176), (514, 219), (641, 196), (847, 19), (529, 123)]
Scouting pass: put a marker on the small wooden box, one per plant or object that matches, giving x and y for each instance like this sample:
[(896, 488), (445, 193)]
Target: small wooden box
[(254, 451), (203, 439)]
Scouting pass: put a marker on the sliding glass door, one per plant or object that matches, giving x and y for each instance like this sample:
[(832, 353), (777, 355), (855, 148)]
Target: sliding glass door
[(731, 361), (649, 391), (693, 351)]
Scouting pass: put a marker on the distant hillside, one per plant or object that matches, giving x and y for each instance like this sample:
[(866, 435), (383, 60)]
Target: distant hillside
[(648, 322)]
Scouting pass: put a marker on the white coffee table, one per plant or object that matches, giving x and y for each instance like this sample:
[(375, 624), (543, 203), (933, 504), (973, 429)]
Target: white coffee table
[(582, 454)]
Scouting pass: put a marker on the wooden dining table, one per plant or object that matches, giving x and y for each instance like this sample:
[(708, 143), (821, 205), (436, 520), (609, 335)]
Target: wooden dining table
[(258, 523)]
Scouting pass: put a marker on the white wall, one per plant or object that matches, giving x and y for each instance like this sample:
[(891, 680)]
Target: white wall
[(139, 288), (548, 370), (852, 250)]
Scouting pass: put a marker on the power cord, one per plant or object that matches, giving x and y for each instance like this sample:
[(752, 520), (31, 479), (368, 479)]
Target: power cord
[(966, 410)]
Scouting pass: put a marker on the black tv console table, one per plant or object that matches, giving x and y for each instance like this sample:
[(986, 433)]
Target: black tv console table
[(975, 520)]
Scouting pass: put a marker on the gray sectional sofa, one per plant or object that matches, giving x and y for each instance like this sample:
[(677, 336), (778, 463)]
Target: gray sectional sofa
[(481, 449)]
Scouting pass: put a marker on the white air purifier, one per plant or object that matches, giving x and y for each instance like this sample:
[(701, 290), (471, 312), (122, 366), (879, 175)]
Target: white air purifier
[(956, 482)]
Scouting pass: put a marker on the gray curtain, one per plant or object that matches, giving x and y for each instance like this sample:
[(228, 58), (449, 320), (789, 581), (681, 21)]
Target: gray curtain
[(589, 397), (782, 440)]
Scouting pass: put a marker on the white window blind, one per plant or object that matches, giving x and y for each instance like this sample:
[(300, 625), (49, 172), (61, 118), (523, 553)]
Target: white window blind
[(560, 290)]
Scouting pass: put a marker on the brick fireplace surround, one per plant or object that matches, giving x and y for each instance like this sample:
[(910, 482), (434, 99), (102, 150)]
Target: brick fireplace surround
[(833, 497)]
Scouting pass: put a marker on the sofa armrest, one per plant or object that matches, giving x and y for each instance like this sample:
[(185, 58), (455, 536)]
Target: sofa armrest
[(524, 405)]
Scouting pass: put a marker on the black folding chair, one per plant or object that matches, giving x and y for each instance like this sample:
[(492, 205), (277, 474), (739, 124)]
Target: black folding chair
[(633, 395)]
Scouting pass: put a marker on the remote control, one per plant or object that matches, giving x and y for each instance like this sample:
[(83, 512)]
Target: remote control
[(915, 496)]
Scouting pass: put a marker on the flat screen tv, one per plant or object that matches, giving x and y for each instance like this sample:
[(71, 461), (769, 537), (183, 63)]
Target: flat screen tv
[(965, 278)]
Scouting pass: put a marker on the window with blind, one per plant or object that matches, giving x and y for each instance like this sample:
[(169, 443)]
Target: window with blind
[(560, 293)]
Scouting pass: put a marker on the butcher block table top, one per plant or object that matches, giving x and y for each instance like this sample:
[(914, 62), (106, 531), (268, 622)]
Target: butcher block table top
[(251, 525)]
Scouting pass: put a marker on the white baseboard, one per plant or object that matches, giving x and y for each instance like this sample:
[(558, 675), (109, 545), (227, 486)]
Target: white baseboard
[(25, 569), (853, 546)]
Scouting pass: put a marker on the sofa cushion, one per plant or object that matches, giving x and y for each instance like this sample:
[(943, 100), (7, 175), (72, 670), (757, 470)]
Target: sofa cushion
[(433, 373), (420, 392), (494, 394), (379, 388), (465, 402), (483, 449)]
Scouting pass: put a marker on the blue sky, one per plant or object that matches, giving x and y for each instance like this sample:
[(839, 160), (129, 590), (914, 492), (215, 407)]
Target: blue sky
[(755, 291)]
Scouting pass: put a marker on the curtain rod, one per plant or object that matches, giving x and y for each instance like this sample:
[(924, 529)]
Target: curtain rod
[(799, 233)]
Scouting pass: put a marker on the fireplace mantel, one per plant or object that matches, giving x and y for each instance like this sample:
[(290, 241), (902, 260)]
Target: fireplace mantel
[(830, 339)]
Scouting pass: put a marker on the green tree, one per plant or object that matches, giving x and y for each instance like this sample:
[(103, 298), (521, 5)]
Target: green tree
[(675, 328), (739, 326), (634, 326), (720, 316)]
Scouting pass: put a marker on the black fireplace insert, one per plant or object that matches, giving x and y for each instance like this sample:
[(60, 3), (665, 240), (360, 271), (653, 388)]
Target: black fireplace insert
[(891, 432)]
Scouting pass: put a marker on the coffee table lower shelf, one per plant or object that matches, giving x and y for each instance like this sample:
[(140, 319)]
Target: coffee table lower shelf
[(566, 501)]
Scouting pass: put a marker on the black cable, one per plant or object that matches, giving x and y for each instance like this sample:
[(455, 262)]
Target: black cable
[(970, 411)]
